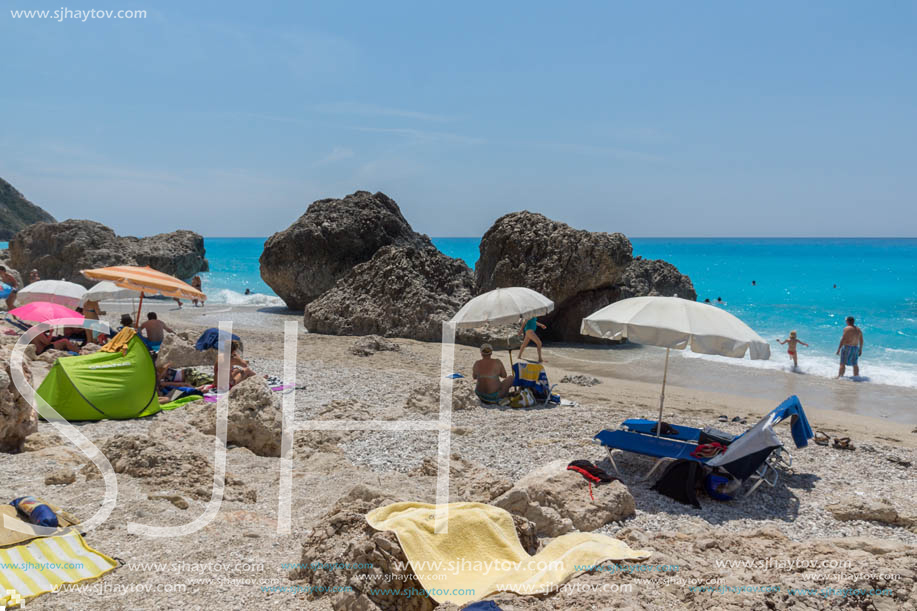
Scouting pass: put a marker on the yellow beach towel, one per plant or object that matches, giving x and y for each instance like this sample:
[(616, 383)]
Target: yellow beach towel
[(481, 554), (45, 564)]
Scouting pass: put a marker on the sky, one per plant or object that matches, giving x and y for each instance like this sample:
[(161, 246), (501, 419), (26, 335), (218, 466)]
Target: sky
[(653, 119)]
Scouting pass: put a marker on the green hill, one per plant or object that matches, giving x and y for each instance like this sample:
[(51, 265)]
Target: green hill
[(17, 212)]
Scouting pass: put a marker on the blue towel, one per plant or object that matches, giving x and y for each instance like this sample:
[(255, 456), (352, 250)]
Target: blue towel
[(211, 338)]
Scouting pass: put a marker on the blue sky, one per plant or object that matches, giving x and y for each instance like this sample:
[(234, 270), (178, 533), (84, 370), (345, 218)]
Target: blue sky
[(655, 119)]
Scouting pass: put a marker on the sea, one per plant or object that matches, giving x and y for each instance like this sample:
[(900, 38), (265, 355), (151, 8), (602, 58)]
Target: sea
[(775, 285)]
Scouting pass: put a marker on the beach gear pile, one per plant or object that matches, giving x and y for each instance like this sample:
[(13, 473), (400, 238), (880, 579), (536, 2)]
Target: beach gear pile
[(35, 561), (708, 459)]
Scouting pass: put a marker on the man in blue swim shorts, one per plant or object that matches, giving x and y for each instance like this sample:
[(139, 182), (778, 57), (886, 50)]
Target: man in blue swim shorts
[(850, 348)]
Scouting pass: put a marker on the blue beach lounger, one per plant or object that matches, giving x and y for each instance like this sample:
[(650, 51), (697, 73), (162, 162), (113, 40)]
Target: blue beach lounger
[(756, 454)]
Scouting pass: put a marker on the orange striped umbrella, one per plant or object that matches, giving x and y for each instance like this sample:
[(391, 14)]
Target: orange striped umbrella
[(146, 281)]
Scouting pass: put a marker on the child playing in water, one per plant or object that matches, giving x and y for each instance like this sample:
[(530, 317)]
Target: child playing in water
[(791, 342)]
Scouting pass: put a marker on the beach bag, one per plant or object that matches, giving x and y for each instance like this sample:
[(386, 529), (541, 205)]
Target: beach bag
[(523, 398), (35, 511)]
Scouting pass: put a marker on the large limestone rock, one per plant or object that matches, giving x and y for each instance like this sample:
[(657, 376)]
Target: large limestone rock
[(401, 292), (374, 565), (581, 271), (255, 419), (306, 259), (17, 418), (16, 212), (61, 250), (655, 277), (179, 352), (529, 249), (558, 501)]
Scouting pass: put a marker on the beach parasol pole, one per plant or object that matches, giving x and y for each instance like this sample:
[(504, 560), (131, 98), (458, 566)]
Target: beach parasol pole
[(139, 307), (665, 374)]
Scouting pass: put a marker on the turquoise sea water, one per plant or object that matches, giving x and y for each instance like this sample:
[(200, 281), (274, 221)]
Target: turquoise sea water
[(794, 290)]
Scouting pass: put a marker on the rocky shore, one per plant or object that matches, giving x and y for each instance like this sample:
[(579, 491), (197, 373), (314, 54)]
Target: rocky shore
[(835, 506), (355, 266), (61, 250)]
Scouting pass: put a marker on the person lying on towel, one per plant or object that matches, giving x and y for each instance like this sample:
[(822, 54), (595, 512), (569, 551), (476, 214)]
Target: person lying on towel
[(43, 341), (238, 367), (492, 382)]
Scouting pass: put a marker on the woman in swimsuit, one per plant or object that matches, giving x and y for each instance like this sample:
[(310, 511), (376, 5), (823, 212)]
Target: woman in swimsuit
[(488, 373), (791, 346), (239, 369), (43, 342), (529, 336)]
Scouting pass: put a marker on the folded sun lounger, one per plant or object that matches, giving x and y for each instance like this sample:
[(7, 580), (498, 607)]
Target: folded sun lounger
[(756, 454)]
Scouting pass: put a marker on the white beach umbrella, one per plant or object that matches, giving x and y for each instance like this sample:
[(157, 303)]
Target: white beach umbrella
[(60, 292), (106, 290), (671, 322), (502, 306)]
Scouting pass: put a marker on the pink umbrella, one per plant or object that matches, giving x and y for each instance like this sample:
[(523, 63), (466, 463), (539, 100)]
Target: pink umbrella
[(43, 311)]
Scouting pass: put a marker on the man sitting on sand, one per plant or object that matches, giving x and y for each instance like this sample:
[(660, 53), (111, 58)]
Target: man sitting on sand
[(850, 348), (493, 383), (238, 367), (155, 331)]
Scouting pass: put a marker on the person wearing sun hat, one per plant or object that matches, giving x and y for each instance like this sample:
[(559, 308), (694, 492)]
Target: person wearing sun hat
[(492, 382)]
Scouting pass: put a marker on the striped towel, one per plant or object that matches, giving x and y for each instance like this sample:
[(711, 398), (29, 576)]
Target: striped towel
[(45, 564)]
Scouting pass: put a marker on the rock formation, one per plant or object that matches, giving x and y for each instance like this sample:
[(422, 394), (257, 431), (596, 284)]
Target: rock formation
[(581, 271), (371, 562), (557, 501), (17, 418), (371, 344), (254, 420), (400, 292), (16, 212), (307, 258), (178, 350), (169, 466), (61, 250)]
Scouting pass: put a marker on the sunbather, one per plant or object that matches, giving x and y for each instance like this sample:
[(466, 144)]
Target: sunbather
[(492, 382), (44, 341), (238, 367)]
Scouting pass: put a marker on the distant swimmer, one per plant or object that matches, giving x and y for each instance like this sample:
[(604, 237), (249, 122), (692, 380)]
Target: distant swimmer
[(851, 348), (248, 291), (791, 346), (753, 283), (719, 300), (707, 300), (834, 287)]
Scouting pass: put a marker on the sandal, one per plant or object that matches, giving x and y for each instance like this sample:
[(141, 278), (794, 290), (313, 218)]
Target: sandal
[(724, 418), (843, 443), (822, 439)]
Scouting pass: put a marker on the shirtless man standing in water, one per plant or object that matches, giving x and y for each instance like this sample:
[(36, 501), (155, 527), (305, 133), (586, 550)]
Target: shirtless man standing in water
[(850, 348)]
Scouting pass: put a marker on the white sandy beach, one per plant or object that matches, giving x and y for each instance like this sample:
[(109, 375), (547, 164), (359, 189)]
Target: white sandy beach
[(242, 543)]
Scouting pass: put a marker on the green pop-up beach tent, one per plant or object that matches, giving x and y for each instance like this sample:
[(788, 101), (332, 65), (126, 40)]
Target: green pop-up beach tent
[(103, 385)]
